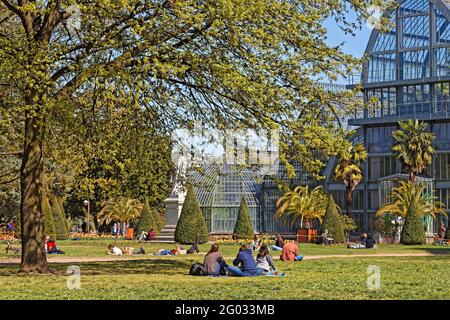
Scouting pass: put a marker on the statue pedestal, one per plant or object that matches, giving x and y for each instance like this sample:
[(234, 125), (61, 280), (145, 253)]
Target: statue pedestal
[(174, 204)]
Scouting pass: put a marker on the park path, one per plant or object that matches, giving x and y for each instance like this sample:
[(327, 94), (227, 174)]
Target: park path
[(62, 259)]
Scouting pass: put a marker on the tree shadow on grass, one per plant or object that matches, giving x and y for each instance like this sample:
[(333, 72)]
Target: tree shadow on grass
[(438, 250), (122, 267)]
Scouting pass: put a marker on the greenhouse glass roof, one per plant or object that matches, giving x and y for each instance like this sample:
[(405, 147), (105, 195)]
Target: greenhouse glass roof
[(223, 185)]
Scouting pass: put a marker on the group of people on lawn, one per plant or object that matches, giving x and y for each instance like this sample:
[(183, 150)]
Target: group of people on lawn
[(245, 265)]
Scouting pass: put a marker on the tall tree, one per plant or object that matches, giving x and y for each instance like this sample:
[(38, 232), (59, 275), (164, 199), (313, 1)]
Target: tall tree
[(414, 146), (349, 171), (227, 62)]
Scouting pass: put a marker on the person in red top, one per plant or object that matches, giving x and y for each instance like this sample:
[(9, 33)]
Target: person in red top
[(290, 252), (150, 235), (50, 246)]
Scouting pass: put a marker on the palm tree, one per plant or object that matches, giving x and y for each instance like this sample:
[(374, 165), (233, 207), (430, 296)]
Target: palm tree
[(349, 171), (302, 204), (122, 210), (408, 195), (414, 146)]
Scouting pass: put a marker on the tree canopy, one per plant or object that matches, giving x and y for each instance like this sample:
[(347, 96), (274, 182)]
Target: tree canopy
[(227, 62)]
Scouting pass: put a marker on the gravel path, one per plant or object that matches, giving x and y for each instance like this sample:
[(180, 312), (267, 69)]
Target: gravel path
[(62, 259)]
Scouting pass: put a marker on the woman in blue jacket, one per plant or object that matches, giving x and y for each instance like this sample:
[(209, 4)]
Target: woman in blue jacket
[(246, 262)]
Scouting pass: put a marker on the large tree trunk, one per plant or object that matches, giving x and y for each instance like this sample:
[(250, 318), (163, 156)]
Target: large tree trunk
[(34, 259), (412, 177), (348, 201)]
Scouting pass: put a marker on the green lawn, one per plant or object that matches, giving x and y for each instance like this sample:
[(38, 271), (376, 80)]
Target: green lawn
[(166, 277), (95, 248)]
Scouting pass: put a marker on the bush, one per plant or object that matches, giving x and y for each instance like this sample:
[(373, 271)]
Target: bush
[(58, 220), (191, 226), (159, 224), (146, 220), (348, 224), (385, 227), (63, 214), (243, 228), (332, 221), (49, 227), (413, 231)]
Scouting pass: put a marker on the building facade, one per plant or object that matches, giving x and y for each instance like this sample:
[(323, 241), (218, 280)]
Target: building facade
[(408, 72)]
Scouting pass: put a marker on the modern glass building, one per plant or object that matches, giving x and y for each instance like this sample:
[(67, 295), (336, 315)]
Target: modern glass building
[(408, 71), (220, 187)]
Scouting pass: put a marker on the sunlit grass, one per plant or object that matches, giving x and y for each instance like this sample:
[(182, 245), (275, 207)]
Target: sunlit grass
[(165, 277)]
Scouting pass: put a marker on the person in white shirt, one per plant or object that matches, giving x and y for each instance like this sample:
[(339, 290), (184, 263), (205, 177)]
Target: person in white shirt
[(114, 251)]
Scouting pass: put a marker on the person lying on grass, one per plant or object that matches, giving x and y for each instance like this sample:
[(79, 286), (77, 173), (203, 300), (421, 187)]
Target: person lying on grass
[(178, 250), (129, 251), (366, 242), (290, 252), (113, 250), (247, 264), (264, 262)]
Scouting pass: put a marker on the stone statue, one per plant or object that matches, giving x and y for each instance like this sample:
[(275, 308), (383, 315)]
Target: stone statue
[(180, 176)]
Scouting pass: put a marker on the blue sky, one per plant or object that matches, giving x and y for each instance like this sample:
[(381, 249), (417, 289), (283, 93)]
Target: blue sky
[(354, 45)]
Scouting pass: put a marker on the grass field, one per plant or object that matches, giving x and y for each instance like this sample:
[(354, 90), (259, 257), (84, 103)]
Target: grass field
[(153, 277)]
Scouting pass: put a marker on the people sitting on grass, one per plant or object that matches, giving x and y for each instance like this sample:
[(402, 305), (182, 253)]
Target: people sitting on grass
[(256, 244), (290, 252), (50, 246), (244, 265), (279, 243), (366, 242), (113, 250), (214, 264), (129, 251), (264, 262)]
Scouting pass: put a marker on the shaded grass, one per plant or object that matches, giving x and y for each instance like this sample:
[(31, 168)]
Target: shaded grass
[(96, 248), (164, 278)]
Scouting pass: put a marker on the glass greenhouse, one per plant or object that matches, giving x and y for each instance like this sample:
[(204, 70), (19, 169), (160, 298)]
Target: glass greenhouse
[(408, 71)]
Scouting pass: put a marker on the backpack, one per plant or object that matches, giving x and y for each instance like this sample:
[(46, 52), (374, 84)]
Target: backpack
[(197, 269)]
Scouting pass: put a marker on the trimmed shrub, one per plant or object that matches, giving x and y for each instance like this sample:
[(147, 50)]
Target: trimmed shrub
[(146, 220), (157, 220), (413, 231), (58, 220), (49, 227), (243, 228), (63, 213), (332, 221), (191, 226)]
